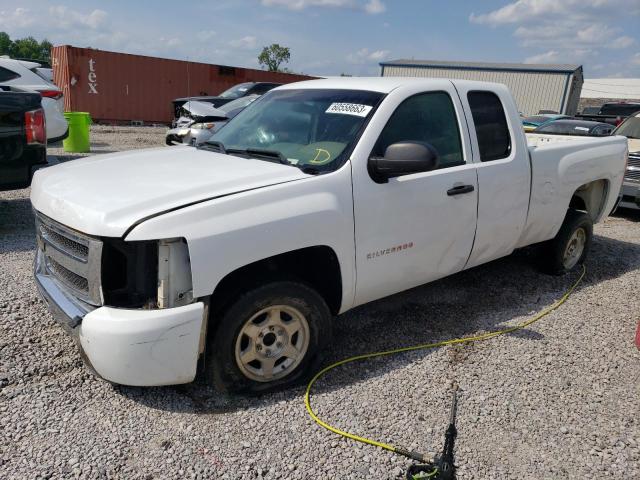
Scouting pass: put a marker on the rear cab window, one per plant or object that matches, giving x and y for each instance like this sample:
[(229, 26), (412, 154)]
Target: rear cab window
[(428, 117), (492, 130), (619, 109)]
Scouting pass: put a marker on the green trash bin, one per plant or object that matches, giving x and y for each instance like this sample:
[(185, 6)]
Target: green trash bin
[(78, 139)]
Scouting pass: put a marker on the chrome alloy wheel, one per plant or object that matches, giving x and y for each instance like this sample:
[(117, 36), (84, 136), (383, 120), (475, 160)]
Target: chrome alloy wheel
[(272, 343), (575, 248)]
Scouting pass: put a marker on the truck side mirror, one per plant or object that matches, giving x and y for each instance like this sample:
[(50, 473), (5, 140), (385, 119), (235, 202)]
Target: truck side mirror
[(403, 158)]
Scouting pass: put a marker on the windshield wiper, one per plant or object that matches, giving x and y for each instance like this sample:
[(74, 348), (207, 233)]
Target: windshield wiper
[(262, 154), (214, 146), (259, 153)]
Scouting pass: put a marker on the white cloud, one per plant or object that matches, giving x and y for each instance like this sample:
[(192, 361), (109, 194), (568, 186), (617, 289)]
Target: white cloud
[(18, 18), (247, 43), (62, 17), (372, 7), (622, 42), (364, 55), (635, 60), (531, 10), (556, 56), (552, 56), (378, 55), (565, 31), (205, 35)]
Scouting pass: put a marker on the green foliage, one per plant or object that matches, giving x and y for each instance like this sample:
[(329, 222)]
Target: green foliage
[(273, 55), (28, 48)]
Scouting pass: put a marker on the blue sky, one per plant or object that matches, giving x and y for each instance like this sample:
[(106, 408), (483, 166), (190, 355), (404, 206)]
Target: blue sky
[(329, 37)]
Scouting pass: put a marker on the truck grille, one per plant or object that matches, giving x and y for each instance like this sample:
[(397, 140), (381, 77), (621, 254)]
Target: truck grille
[(71, 258), (633, 168)]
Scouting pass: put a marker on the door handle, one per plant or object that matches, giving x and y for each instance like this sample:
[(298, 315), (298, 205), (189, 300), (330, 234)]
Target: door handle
[(460, 189)]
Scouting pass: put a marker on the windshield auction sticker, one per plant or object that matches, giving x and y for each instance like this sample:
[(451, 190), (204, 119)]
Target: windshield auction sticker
[(349, 109)]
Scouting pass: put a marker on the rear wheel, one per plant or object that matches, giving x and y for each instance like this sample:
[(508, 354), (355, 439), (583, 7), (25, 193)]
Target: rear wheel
[(570, 246), (270, 337)]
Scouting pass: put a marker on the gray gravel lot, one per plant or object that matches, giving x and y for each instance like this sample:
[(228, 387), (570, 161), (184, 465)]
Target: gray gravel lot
[(558, 400)]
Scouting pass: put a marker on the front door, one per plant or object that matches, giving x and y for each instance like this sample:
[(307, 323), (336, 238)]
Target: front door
[(419, 227)]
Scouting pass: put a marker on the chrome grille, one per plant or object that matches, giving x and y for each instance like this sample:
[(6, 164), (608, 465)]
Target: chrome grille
[(67, 277), (69, 246), (633, 168), (72, 259)]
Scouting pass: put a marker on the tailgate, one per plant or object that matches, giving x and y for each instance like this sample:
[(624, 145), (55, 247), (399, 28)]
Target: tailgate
[(16, 157)]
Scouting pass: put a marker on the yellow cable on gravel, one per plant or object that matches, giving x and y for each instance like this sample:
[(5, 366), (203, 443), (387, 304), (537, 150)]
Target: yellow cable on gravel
[(454, 341)]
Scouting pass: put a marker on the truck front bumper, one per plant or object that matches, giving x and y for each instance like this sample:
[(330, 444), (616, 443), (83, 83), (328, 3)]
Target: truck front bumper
[(630, 194), (125, 346)]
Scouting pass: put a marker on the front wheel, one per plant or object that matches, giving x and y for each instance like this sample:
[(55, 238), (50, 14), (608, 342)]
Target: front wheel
[(570, 246), (270, 337)]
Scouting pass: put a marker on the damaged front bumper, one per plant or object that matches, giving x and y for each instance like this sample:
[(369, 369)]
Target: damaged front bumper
[(128, 346), (188, 136)]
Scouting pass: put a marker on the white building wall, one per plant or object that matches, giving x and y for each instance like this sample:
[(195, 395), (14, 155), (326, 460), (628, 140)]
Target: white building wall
[(620, 88), (532, 91)]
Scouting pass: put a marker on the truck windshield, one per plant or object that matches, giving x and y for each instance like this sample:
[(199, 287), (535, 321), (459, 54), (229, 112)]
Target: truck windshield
[(310, 128), (630, 128)]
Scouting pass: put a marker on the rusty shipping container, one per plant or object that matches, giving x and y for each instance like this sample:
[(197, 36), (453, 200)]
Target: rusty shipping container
[(120, 88)]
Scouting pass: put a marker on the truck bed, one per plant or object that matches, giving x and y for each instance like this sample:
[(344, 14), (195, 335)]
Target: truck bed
[(564, 164)]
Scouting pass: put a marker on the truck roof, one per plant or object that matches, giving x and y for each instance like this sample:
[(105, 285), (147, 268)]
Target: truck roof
[(380, 84)]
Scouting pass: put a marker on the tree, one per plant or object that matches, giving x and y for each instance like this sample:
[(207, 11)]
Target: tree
[(273, 55), (27, 47), (5, 44)]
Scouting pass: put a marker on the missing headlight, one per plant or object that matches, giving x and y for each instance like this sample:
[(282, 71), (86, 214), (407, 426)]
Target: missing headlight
[(129, 273)]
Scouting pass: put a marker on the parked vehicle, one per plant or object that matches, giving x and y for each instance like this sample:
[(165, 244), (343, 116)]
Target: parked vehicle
[(237, 91), (234, 256), (570, 126), (613, 113), (23, 141), (630, 128), (28, 77), (200, 120), (591, 110), (535, 121)]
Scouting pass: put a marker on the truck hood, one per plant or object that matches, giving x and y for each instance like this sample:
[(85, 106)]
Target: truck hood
[(105, 195), (634, 145)]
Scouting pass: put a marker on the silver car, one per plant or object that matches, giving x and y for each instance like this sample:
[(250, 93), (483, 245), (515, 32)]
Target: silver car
[(201, 119)]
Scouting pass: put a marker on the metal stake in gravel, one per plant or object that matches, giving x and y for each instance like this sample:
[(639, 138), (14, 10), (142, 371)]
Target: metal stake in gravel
[(420, 457)]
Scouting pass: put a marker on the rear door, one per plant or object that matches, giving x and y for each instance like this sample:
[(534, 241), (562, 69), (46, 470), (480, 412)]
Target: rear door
[(504, 173), (419, 227)]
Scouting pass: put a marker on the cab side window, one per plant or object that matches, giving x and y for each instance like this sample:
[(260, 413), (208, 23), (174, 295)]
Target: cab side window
[(428, 118), (490, 121)]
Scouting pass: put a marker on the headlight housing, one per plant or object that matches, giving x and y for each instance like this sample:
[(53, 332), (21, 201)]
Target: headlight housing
[(146, 274), (203, 126)]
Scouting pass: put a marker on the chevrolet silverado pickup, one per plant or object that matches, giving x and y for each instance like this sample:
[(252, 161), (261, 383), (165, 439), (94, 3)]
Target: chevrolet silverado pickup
[(229, 260)]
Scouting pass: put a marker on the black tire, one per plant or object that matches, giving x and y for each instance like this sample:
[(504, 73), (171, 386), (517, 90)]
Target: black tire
[(552, 252), (221, 367)]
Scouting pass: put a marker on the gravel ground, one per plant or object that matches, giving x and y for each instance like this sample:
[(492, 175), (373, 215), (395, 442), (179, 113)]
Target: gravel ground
[(557, 400)]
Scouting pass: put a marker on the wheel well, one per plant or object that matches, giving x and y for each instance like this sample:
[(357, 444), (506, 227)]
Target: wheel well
[(317, 266), (590, 198)]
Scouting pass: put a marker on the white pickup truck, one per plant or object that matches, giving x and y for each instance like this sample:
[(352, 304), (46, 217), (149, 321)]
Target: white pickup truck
[(230, 259)]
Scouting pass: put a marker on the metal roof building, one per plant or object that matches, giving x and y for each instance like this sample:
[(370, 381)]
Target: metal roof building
[(535, 87)]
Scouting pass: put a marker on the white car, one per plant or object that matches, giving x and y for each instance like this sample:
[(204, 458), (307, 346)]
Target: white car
[(200, 120), (31, 77), (319, 197)]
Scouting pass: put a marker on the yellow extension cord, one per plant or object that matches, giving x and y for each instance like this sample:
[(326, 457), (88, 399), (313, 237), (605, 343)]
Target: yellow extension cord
[(455, 341)]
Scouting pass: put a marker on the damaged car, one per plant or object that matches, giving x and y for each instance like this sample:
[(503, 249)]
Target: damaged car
[(199, 120), (237, 91)]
